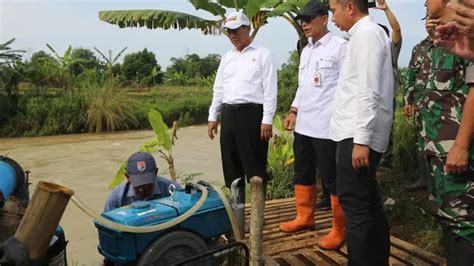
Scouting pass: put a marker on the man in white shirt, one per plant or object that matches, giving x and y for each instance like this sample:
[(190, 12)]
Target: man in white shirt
[(320, 63), (361, 123), (245, 96)]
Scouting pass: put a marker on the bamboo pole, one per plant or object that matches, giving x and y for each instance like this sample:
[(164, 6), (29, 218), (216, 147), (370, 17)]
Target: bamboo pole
[(256, 221), (41, 218)]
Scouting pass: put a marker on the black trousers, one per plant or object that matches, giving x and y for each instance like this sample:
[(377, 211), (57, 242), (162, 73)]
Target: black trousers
[(306, 150), (243, 152), (368, 240)]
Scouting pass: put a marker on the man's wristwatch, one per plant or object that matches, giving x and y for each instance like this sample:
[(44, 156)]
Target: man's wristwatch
[(470, 76)]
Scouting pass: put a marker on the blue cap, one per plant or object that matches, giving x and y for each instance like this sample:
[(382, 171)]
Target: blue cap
[(141, 169)]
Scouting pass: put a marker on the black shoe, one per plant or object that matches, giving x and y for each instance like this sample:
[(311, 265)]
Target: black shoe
[(324, 204)]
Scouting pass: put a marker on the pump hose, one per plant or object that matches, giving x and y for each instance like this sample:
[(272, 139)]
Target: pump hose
[(165, 225), (143, 229), (230, 213)]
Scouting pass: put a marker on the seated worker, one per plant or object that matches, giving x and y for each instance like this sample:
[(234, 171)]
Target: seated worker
[(141, 173)]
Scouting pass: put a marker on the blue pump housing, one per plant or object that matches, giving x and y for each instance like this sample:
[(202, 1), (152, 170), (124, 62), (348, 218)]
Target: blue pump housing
[(210, 221), (13, 180), (8, 179)]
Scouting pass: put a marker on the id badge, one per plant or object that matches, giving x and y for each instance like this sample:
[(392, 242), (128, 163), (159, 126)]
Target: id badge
[(317, 79)]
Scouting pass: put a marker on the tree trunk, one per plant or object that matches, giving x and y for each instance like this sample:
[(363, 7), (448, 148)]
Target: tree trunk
[(41, 218), (256, 221)]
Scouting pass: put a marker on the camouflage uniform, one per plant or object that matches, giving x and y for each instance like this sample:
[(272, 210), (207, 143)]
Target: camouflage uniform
[(417, 78), (441, 110)]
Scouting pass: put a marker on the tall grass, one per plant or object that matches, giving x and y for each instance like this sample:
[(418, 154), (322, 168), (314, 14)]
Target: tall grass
[(109, 109)]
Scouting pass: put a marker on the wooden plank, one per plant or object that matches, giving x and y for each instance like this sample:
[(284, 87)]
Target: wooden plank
[(327, 257), (391, 260), (293, 260), (300, 248), (422, 254), (313, 256), (271, 262), (335, 255), (407, 258), (281, 261)]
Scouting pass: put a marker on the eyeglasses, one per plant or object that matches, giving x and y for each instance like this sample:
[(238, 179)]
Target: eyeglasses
[(230, 31)]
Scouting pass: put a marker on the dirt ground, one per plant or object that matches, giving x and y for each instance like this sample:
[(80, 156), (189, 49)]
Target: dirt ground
[(87, 163)]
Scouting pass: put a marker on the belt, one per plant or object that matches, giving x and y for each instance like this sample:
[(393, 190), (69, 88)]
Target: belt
[(239, 106)]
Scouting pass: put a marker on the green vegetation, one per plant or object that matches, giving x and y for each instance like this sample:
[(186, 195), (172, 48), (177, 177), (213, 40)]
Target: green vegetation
[(76, 92)]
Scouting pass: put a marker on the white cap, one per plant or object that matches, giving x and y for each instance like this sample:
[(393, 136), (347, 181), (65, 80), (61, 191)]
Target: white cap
[(235, 20)]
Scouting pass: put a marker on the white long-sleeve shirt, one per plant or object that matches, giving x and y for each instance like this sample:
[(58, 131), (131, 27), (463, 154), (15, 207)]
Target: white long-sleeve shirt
[(363, 105), (314, 99), (249, 76)]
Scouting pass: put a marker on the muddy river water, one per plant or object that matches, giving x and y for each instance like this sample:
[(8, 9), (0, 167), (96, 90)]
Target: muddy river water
[(87, 163)]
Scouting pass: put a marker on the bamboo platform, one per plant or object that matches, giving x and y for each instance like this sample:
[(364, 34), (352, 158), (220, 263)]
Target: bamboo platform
[(302, 248)]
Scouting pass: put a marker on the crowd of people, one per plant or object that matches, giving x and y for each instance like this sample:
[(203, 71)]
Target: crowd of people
[(342, 118)]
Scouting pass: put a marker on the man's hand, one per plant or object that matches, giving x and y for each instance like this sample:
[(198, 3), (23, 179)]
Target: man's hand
[(464, 16), (266, 132), (430, 26), (360, 156), (457, 161), (212, 129), (289, 122), (458, 43), (408, 110), (381, 4)]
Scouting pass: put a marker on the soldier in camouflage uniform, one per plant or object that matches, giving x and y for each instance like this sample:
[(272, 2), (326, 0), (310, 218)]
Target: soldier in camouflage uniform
[(441, 109), (417, 76)]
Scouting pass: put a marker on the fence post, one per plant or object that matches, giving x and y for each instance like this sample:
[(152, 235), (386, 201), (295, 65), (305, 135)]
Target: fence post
[(256, 221)]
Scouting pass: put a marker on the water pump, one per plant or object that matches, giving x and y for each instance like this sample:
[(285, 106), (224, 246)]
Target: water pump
[(182, 240)]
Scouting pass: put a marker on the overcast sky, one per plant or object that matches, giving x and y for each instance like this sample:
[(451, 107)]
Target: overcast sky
[(72, 22)]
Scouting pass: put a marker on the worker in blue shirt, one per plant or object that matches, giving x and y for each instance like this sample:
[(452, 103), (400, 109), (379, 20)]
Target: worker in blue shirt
[(142, 183)]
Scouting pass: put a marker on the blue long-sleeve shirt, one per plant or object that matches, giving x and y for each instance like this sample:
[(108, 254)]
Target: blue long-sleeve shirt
[(117, 198)]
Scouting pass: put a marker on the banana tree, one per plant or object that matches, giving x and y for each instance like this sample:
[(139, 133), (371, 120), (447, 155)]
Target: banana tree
[(109, 60), (162, 143), (65, 62), (7, 55), (257, 10)]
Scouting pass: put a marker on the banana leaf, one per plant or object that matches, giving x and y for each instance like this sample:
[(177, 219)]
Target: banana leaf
[(163, 19)]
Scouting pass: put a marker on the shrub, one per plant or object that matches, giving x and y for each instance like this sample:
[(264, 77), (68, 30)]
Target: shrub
[(41, 115)]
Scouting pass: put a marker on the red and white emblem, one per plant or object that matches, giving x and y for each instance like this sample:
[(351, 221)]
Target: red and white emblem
[(141, 166)]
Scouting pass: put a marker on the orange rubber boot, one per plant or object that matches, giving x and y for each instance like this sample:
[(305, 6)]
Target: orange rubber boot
[(337, 236), (305, 197)]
